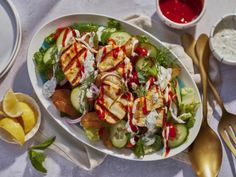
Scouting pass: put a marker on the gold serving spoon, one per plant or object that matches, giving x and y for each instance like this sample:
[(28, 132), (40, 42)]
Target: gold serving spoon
[(206, 151)]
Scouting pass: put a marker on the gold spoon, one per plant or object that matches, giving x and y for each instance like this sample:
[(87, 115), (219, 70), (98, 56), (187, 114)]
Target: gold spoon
[(206, 151)]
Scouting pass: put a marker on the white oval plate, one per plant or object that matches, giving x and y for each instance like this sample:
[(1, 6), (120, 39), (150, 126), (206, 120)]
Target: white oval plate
[(76, 131), (10, 35)]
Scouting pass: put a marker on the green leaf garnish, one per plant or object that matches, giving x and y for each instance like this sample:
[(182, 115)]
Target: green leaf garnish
[(37, 156), (164, 59), (45, 144), (37, 159), (112, 23), (139, 148)]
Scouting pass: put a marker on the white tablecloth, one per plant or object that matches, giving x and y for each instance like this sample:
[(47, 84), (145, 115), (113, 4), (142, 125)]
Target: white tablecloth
[(14, 160)]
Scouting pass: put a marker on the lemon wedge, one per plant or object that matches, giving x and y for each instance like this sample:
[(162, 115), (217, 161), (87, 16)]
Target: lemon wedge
[(14, 128), (10, 104), (28, 117)]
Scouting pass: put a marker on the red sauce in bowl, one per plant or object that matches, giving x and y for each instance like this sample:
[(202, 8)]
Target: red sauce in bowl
[(181, 11)]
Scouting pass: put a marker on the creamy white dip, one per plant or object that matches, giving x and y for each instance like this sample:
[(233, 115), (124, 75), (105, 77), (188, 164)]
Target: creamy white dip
[(224, 43)]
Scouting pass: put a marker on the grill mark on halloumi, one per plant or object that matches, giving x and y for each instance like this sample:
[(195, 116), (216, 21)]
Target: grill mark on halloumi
[(111, 59), (72, 62), (74, 59)]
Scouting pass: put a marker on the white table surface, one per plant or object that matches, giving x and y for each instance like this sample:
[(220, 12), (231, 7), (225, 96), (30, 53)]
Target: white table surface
[(14, 161)]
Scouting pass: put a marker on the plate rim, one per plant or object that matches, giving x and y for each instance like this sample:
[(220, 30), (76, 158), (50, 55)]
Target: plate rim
[(134, 26), (16, 47)]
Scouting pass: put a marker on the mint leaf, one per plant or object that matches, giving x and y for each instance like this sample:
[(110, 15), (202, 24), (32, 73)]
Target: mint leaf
[(37, 159), (45, 144)]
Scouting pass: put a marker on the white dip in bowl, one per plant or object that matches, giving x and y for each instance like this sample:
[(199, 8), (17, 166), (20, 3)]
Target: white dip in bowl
[(223, 40)]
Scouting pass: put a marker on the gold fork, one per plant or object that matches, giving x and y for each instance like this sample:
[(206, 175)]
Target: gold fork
[(227, 123), (227, 119)]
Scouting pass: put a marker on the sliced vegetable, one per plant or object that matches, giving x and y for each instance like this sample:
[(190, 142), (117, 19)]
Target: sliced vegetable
[(49, 55), (79, 99), (120, 37), (118, 134), (181, 136), (60, 38), (152, 50), (106, 33)]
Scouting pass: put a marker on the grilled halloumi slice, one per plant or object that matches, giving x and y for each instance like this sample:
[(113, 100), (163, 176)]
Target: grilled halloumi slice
[(115, 107), (124, 68), (72, 60), (139, 117), (112, 100), (130, 46), (110, 118), (109, 58), (153, 100)]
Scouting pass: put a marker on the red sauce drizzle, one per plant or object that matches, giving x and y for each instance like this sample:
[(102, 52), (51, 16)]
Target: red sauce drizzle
[(112, 41), (80, 73), (157, 88), (152, 80), (101, 96), (101, 114), (122, 65), (85, 54), (130, 114), (73, 33), (181, 11), (115, 52), (123, 48), (71, 62), (144, 108), (57, 33), (75, 48), (64, 37)]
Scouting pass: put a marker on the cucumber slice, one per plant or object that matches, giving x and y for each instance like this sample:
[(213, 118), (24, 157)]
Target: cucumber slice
[(181, 136), (60, 39), (152, 50), (78, 99), (118, 134), (48, 55), (120, 37)]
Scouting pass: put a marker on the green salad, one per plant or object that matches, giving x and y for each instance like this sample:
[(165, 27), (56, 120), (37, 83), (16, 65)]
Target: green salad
[(120, 88)]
